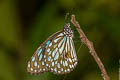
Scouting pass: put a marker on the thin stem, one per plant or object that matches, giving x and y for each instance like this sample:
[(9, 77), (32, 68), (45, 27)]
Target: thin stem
[(89, 44)]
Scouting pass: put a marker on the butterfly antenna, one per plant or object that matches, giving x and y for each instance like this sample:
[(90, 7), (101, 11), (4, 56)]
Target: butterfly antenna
[(66, 17), (80, 47)]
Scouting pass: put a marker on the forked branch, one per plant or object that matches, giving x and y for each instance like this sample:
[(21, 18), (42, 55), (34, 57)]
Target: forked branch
[(91, 48)]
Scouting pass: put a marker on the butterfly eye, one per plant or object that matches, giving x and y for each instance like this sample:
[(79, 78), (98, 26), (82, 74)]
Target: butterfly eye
[(67, 25)]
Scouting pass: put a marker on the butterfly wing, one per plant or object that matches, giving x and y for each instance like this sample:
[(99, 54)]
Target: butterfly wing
[(57, 54), (34, 64), (37, 63), (62, 55)]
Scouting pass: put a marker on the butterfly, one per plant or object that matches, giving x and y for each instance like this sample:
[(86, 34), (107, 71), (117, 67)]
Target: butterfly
[(56, 54)]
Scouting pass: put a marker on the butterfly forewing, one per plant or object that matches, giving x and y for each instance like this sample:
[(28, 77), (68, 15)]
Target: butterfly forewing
[(57, 54), (34, 65), (38, 62)]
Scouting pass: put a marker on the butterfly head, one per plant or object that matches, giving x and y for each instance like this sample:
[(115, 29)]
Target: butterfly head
[(67, 30)]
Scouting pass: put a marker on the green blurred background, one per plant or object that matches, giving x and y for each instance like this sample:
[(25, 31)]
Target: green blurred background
[(25, 24)]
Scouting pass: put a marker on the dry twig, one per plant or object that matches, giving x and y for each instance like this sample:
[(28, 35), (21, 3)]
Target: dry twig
[(91, 47)]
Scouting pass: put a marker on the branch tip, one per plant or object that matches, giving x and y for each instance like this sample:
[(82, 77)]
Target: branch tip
[(89, 44)]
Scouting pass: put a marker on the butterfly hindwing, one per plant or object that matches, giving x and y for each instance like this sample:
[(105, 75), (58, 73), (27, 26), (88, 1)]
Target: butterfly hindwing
[(62, 55)]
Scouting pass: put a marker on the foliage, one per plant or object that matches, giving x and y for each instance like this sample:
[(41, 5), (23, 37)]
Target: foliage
[(24, 25)]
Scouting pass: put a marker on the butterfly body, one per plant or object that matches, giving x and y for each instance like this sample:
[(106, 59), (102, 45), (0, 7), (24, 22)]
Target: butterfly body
[(57, 54)]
